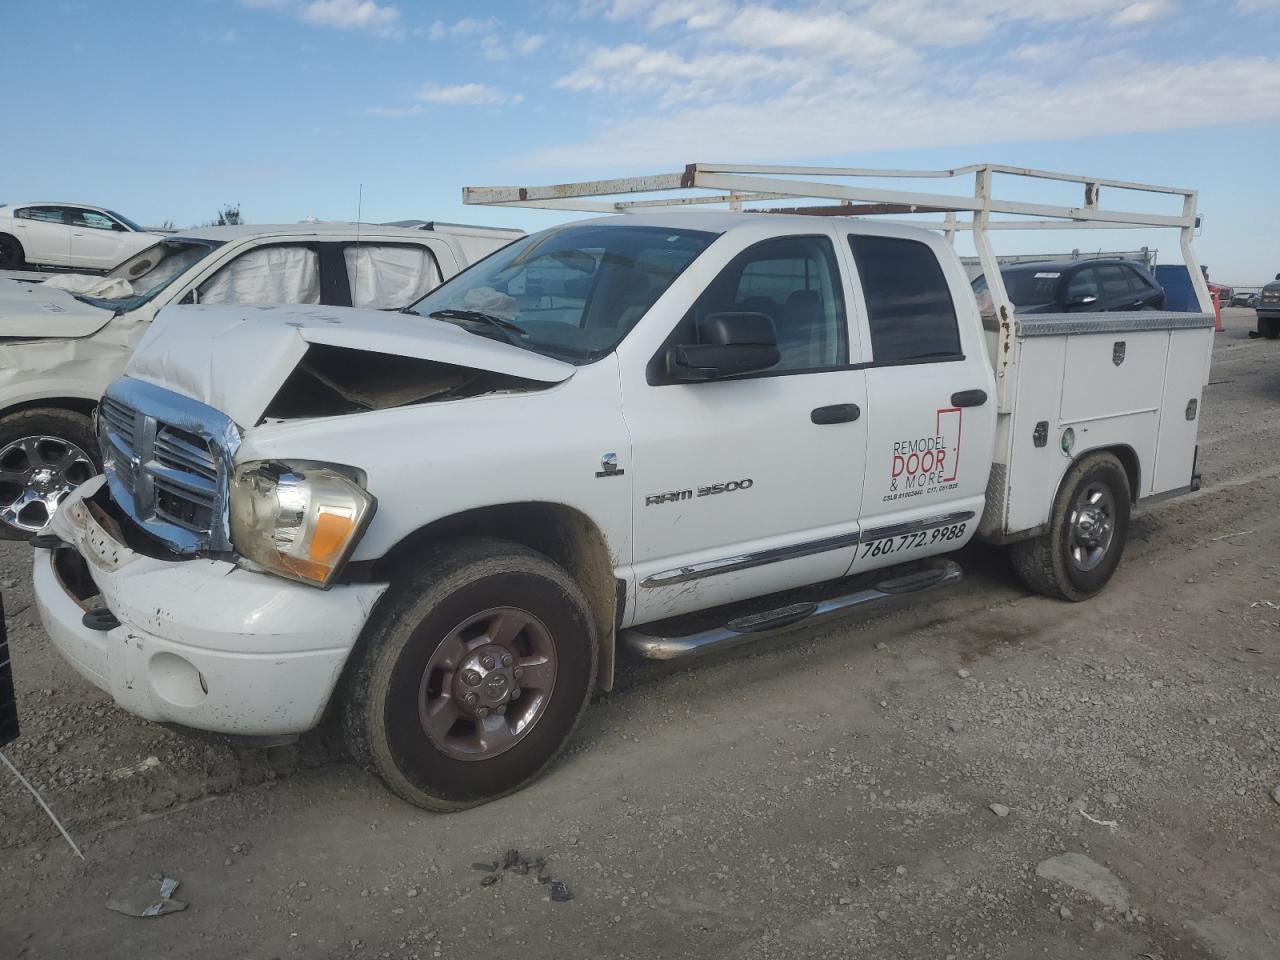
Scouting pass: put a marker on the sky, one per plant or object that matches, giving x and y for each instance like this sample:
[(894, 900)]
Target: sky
[(295, 108)]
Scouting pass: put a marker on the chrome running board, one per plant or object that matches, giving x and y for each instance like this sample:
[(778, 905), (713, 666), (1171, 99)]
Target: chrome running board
[(757, 626)]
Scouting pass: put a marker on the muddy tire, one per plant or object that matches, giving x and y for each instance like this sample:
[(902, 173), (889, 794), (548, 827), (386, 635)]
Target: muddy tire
[(1076, 556), (471, 674), (44, 454), (12, 256)]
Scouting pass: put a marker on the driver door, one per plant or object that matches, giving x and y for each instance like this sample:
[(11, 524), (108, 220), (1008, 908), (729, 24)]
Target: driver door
[(751, 484)]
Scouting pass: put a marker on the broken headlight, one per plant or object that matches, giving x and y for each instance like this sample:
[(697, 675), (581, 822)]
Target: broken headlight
[(300, 520)]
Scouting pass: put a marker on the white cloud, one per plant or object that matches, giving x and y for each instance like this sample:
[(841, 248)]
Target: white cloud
[(395, 111), (380, 20), (1142, 12), (858, 116), (520, 44), (826, 36), (695, 14), (469, 25), (634, 68), (465, 95), (353, 15)]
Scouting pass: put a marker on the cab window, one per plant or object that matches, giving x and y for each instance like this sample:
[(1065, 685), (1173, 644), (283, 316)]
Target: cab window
[(794, 281), (909, 307), (383, 276)]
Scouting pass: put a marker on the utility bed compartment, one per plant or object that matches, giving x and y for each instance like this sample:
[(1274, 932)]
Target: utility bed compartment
[(1127, 381)]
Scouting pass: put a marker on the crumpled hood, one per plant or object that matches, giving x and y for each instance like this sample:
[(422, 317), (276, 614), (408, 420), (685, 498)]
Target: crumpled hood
[(235, 358), (31, 311)]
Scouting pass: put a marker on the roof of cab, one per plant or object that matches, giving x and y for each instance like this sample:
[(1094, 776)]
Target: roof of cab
[(320, 230)]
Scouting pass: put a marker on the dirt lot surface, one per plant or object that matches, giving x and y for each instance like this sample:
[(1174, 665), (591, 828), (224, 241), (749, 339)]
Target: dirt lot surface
[(901, 786)]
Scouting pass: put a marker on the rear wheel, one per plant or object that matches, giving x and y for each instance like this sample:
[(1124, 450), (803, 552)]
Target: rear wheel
[(44, 455), (12, 256), (471, 674), (1076, 556)]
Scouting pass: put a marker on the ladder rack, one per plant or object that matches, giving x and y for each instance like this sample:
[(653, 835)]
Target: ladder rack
[(844, 191)]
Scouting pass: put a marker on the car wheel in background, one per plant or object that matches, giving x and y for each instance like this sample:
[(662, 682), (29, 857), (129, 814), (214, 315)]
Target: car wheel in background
[(470, 675), (45, 453), (1076, 556), (12, 256)]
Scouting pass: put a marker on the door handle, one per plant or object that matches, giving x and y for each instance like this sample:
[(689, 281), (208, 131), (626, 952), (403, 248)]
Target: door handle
[(836, 413), (969, 398)]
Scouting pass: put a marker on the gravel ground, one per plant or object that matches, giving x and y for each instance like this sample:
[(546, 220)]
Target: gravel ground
[(900, 786)]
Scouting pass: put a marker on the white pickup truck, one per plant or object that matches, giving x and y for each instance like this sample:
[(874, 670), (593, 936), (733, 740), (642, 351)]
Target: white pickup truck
[(64, 340), (640, 430)]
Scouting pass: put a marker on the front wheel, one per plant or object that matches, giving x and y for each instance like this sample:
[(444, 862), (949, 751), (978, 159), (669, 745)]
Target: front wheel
[(1082, 546), (471, 674), (1269, 327), (44, 455)]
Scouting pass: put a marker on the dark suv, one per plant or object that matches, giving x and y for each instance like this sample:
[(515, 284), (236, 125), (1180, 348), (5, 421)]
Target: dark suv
[(1269, 309), (1061, 286)]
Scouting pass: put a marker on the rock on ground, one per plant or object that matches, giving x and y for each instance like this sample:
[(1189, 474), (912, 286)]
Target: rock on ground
[(1086, 876)]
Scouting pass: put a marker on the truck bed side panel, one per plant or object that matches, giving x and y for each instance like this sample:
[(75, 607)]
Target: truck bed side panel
[(1115, 382), (1180, 409)]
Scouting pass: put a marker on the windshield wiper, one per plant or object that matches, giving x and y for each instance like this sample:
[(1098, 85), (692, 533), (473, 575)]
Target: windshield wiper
[(510, 331)]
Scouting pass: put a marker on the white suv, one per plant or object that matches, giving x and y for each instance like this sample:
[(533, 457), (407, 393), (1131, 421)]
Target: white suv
[(67, 235)]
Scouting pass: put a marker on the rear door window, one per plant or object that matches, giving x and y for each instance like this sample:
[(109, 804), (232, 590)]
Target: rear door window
[(384, 276), (909, 307), (43, 214), (286, 273)]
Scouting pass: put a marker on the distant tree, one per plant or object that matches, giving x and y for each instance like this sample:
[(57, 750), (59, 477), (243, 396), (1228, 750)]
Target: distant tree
[(168, 225), (228, 216)]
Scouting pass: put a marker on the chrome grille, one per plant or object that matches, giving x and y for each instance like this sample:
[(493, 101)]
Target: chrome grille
[(118, 418), (181, 450), (166, 458)]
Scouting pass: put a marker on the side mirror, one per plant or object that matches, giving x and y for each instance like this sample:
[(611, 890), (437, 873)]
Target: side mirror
[(728, 344), (1082, 299)]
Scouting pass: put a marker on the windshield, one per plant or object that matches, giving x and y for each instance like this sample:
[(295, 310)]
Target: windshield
[(126, 221), (572, 292), (152, 270)]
